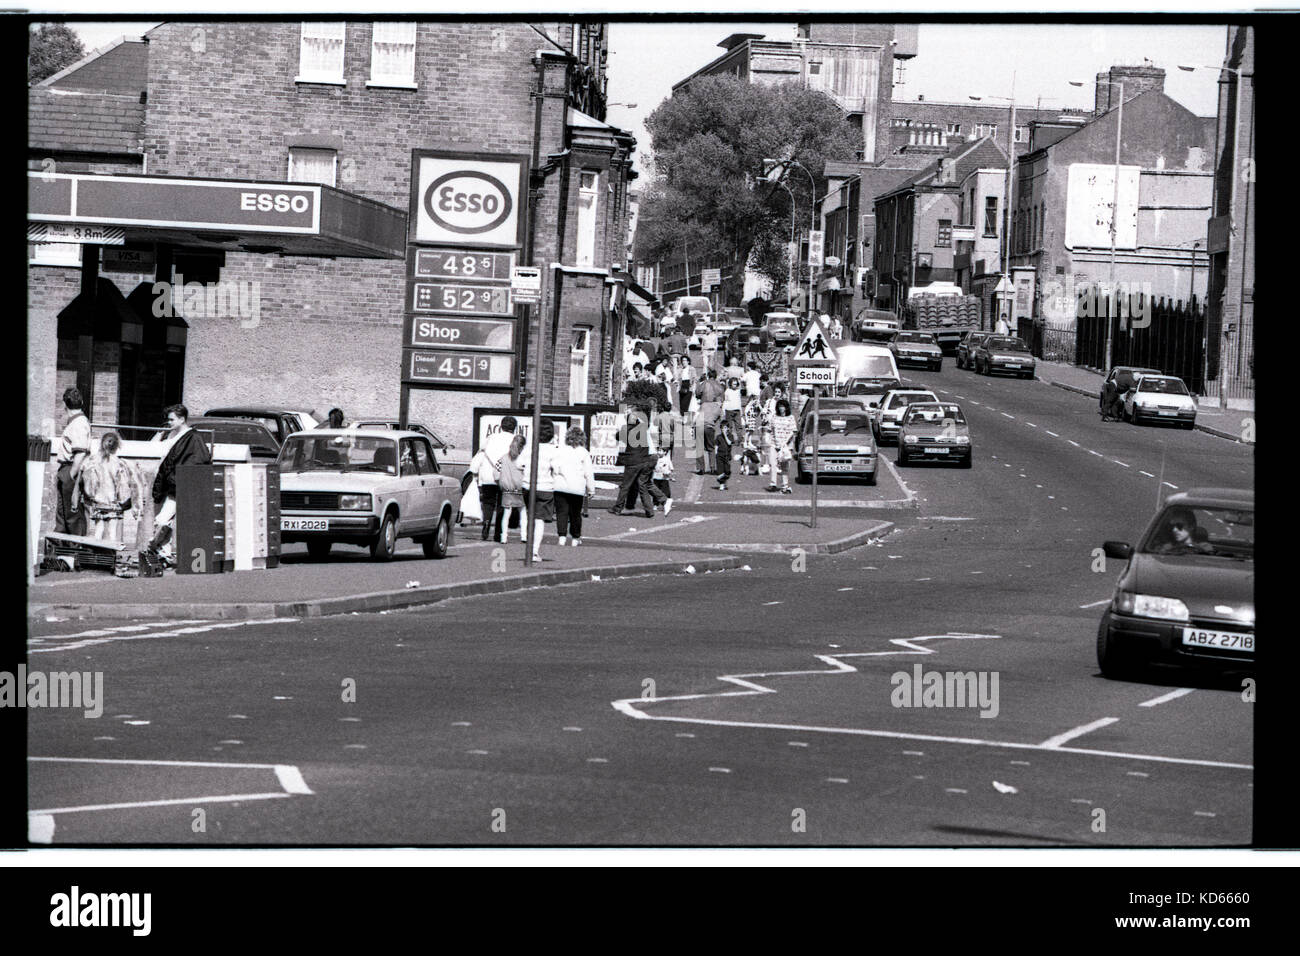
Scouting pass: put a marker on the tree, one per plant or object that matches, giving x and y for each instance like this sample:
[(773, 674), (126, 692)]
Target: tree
[(709, 143), (51, 47)]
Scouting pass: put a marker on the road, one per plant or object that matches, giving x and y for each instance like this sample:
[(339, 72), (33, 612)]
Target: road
[(754, 707)]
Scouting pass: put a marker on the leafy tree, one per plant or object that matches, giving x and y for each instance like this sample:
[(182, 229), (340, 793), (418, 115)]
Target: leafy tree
[(51, 47), (707, 197)]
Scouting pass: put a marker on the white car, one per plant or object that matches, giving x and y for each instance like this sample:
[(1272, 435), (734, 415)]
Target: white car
[(367, 488), (888, 415), (1160, 398)]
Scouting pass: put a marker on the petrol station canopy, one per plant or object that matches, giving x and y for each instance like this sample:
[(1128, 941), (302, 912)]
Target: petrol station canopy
[(290, 219)]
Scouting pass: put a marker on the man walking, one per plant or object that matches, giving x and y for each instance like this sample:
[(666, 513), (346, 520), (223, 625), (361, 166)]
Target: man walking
[(489, 490), (638, 460), (187, 448), (74, 447), (710, 393)]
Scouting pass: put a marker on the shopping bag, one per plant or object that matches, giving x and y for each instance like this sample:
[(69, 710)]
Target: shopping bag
[(471, 509)]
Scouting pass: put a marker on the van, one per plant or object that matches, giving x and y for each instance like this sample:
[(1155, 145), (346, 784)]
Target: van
[(868, 370), (692, 303)]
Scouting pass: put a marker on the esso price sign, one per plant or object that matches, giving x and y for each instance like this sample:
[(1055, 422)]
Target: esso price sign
[(466, 199)]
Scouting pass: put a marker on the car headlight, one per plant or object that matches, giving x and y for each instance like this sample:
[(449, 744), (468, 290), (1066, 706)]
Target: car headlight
[(354, 502), (909, 439), (1151, 605), (962, 440)]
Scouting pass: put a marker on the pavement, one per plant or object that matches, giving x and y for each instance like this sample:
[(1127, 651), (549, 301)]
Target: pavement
[(348, 581), (1229, 423)]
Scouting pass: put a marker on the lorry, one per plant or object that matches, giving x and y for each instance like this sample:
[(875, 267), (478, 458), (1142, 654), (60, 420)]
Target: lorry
[(942, 309)]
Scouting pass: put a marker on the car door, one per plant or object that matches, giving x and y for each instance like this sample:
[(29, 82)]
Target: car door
[(416, 469), (439, 488)]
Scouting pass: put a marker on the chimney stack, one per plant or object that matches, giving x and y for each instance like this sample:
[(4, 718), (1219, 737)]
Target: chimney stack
[(1136, 80)]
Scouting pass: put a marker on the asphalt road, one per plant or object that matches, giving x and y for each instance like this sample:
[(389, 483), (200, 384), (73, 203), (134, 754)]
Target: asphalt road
[(754, 707)]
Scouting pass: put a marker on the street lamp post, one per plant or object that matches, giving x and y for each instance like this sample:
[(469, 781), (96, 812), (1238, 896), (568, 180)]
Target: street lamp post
[(812, 221), (789, 281)]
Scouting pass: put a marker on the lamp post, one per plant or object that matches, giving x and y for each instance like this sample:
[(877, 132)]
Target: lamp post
[(789, 281), (1005, 245), (812, 222)]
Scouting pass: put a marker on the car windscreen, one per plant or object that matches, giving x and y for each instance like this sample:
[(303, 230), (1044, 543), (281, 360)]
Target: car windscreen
[(1001, 343), (899, 399), (869, 366), (923, 338), (840, 425), (1166, 386), (353, 452), (1216, 532), (930, 413)]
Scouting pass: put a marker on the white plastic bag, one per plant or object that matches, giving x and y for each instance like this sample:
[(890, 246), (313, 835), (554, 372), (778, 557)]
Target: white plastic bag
[(471, 509)]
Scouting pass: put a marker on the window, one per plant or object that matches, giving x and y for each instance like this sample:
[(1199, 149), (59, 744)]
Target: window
[(990, 215), (954, 129), (320, 55), (588, 192), (392, 54), (579, 365), (944, 238), (814, 68), (54, 253), (312, 165), (986, 129), (1022, 134)]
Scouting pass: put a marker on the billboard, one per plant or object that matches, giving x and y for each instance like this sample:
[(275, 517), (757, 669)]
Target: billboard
[(1089, 197), (468, 198)]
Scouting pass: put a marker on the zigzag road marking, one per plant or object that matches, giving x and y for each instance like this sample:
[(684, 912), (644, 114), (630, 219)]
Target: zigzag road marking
[(630, 706), (78, 641)]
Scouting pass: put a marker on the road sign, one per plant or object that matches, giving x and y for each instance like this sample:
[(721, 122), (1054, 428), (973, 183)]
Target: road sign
[(816, 244), (63, 232), (711, 277), (526, 284), (814, 375), (815, 347)]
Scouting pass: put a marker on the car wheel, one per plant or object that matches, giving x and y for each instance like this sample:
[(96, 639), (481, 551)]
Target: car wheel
[(1114, 663), (436, 544), (938, 366), (1188, 426), (871, 478), (968, 460), (319, 550), (901, 459), (385, 544)]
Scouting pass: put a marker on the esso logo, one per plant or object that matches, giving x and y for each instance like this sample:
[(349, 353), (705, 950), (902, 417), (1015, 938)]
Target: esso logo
[(468, 202), (273, 202)]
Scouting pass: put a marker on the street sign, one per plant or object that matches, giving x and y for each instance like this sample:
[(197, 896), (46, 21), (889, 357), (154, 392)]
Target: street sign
[(815, 347), (62, 232), (526, 284), (814, 375), (711, 277), (816, 245)]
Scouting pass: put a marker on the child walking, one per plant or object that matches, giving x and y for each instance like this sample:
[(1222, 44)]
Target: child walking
[(511, 483), (110, 489)]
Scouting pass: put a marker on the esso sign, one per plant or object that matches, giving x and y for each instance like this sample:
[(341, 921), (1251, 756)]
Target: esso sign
[(273, 202), (468, 202)]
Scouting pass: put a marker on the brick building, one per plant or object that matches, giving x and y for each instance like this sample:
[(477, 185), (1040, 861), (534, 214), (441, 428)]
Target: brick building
[(345, 106)]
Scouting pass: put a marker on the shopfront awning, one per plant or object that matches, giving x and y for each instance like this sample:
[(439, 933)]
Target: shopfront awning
[(829, 285), (290, 219)]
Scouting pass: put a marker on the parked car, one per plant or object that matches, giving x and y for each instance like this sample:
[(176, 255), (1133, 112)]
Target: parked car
[(934, 431), (1187, 595), (278, 420), (1160, 398), (835, 403), (917, 348), (440, 446), (783, 327), (1004, 353), (845, 446), (889, 413), (262, 445), (866, 363), (873, 325), (1123, 376), (747, 338), (367, 488), (967, 346)]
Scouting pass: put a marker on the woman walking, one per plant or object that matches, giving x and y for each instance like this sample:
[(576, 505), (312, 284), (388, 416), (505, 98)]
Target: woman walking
[(575, 479), (545, 486), (511, 498), (778, 437)]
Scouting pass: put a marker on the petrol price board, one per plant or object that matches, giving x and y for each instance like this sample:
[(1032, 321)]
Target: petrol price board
[(461, 298), (432, 331), (453, 367), (464, 265)]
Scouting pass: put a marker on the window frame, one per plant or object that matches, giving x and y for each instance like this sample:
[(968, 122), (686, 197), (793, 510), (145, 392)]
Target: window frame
[(322, 77), (394, 82), (334, 178), (66, 261), (587, 219)]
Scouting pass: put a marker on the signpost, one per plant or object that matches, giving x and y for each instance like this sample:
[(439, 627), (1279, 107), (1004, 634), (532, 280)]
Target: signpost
[(816, 364)]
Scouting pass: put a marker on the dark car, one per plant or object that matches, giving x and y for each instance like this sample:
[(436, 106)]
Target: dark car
[(1124, 377), (1187, 595), (1003, 354), (967, 346), (873, 325), (237, 431), (917, 348), (934, 431), (783, 327), (280, 422)]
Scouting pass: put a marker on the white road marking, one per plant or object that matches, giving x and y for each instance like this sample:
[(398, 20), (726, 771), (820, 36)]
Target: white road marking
[(136, 804), (1004, 787), (1053, 434), (175, 632), (1012, 417), (1031, 424), (1073, 442), (837, 779), (1147, 473), (1054, 742), (770, 603), (796, 743), (1081, 800), (977, 572), (124, 629), (1084, 607), (40, 828), (597, 760), (1203, 813), (634, 532), (630, 707), (1097, 453), (1172, 695), (844, 589), (480, 753), (1168, 485), (1137, 773), (683, 735), (460, 723), (914, 753), (1020, 763), (954, 790), (1120, 463), (719, 770), (290, 778), (572, 729)]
